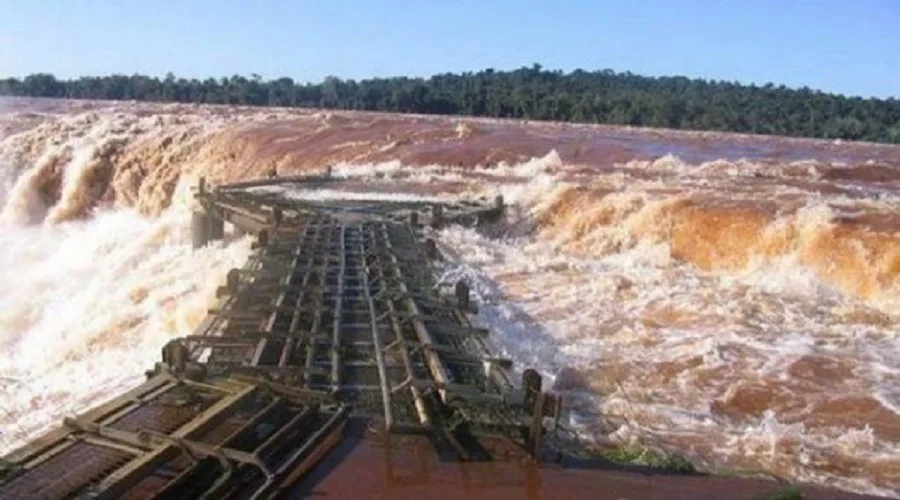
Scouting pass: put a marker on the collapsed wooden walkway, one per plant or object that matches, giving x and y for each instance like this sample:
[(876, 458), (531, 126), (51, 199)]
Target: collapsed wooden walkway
[(336, 315)]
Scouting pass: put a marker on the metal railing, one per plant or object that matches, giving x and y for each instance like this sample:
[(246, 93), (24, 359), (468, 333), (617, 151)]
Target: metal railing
[(335, 313)]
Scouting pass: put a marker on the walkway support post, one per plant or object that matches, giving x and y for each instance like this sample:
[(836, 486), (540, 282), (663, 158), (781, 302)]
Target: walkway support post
[(199, 229)]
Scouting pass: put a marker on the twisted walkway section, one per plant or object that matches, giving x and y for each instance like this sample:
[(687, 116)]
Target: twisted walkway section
[(336, 315)]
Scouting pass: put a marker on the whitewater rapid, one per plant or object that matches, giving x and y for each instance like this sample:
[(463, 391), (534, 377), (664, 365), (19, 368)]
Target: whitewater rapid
[(86, 305), (767, 369), (726, 310)]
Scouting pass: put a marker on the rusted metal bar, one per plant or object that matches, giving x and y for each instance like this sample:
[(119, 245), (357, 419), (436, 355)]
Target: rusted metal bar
[(302, 180), (400, 342), (114, 485), (255, 419), (154, 440), (379, 347), (313, 449), (302, 295), (243, 218), (328, 232), (279, 302), (299, 419), (435, 365), (338, 311)]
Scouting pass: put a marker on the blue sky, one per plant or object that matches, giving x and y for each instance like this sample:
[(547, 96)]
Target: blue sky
[(846, 46)]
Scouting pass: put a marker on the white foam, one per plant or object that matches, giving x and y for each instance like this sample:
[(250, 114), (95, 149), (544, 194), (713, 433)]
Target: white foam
[(391, 170), (550, 311), (319, 194), (547, 164), (85, 307)]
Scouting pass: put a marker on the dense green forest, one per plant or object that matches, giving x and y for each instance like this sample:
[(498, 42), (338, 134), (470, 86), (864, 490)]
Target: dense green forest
[(534, 93)]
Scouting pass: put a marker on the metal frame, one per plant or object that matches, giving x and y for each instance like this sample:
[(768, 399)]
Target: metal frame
[(335, 313)]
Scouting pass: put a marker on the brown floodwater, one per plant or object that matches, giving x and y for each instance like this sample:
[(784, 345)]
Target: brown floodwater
[(731, 298)]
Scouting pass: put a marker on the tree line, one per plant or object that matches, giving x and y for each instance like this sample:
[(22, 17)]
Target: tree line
[(527, 93)]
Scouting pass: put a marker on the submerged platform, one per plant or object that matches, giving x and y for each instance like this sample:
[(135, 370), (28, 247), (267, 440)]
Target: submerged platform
[(336, 315), (334, 364)]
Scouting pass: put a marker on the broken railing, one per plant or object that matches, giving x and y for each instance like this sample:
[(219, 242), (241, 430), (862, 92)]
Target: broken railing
[(336, 313)]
